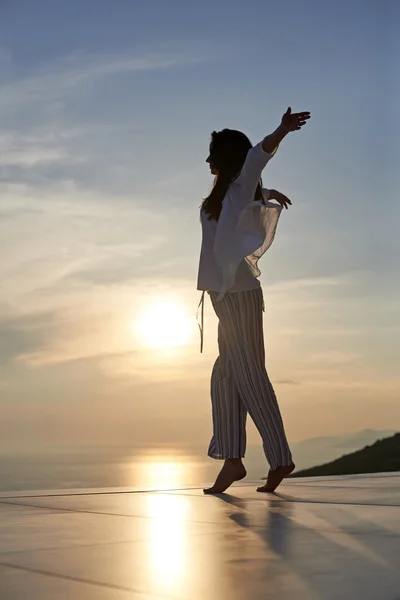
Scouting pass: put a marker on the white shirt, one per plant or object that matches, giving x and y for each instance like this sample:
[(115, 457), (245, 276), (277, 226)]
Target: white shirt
[(232, 246)]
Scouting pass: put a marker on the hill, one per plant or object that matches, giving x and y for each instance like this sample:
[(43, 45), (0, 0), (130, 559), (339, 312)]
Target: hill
[(322, 450), (382, 456)]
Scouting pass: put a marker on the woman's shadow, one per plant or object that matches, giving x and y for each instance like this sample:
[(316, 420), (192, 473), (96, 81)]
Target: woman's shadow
[(326, 559)]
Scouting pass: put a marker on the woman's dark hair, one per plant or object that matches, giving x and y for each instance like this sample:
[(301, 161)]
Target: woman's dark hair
[(228, 151)]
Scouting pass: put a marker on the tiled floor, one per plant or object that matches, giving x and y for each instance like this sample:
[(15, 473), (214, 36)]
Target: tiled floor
[(318, 538)]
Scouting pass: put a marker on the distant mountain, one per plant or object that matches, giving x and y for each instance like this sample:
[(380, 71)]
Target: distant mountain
[(364, 438), (383, 456), (325, 449)]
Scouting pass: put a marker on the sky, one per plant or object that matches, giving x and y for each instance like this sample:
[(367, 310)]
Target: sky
[(107, 110)]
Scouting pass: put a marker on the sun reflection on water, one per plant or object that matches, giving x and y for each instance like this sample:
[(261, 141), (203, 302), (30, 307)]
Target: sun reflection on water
[(164, 471)]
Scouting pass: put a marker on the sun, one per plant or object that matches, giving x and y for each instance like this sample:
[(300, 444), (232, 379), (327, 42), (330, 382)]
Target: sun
[(164, 324)]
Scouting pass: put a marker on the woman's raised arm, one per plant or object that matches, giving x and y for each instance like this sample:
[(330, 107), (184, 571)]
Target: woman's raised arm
[(258, 156), (290, 122)]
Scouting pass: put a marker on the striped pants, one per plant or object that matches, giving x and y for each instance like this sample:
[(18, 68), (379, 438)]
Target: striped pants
[(240, 384)]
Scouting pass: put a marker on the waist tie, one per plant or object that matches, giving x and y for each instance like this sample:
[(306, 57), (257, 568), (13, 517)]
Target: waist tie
[(201, 323)]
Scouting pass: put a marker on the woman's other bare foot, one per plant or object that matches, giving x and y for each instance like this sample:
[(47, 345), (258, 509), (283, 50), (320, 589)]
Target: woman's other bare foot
[(233, 470), (275, 477)]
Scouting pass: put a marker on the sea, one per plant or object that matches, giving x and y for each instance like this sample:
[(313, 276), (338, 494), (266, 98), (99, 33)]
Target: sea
[(153, 467)]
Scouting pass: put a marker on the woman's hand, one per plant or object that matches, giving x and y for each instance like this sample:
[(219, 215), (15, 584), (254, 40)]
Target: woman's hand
[(280, 198), (295, 121), (290, 122)]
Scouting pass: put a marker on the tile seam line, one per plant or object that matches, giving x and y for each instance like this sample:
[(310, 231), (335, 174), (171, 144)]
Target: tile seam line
[(110, 586), (174, 490), (238, 504), (108, 493)]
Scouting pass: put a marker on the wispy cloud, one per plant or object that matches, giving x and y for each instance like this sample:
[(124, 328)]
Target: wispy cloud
[(27, 149), (295, 285), (24, 333), (79, 69), (334, 357)]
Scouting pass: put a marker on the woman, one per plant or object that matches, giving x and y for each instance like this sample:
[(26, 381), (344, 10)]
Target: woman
[(238, 226)]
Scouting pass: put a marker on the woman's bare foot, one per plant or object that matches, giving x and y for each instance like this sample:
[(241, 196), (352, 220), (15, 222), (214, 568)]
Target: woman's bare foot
[(275, 477), (233, 470)]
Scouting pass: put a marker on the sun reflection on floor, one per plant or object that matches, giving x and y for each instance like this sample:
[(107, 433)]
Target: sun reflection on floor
[(167, 559), (168, 541)]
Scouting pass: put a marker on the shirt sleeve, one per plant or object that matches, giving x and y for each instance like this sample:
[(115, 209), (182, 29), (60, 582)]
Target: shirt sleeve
[(250, 175), (247, 235), (256, 230), (265, 192)]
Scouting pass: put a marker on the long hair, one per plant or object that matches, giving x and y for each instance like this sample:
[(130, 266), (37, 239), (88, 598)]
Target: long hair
[(228, 151)]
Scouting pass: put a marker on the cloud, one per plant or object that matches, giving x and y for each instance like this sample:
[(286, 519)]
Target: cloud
[(79, 69), (49, 357), (36, 146), (287, 382), (64, 335), (68, 121), (139, 263), (24, 333), (333, 357), (62, 241), (305, 283)]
